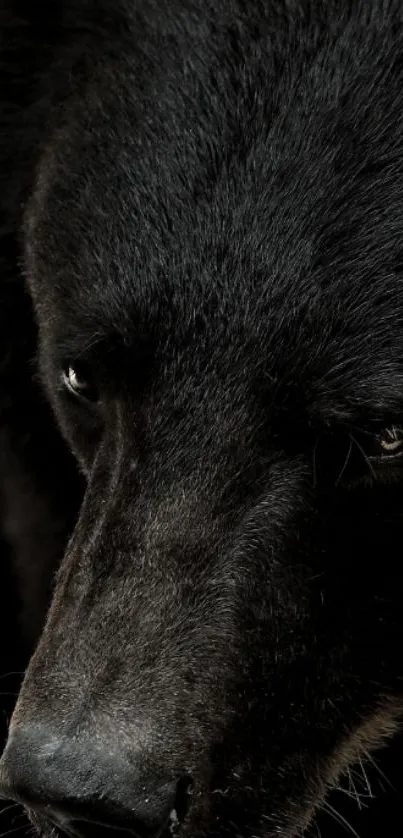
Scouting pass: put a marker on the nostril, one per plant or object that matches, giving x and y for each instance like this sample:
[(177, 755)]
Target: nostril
[(100, 819), (182, 799), (97, 822), (158, 814), (80, 789)]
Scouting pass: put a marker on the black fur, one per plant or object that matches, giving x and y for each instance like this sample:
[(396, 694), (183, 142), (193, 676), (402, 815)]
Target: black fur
[(205, 202)]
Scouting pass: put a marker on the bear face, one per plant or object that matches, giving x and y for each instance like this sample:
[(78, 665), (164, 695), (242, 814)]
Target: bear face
[(212, 245)]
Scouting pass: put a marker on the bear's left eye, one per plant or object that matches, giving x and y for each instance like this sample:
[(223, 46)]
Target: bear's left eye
[(361, 457), (390, 443), (79, 383)]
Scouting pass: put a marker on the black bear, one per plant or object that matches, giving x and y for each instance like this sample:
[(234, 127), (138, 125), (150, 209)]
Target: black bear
[(201, 409)]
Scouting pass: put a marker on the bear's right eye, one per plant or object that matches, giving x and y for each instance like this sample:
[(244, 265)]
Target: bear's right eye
[(79, 383)]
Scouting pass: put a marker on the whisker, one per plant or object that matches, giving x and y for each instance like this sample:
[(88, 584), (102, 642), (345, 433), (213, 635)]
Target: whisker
[(353, 789), (352, 795), (366, 458), (340, 819), (345, 464), (8, 808), (365, 776), (373, 762), (314, 826)]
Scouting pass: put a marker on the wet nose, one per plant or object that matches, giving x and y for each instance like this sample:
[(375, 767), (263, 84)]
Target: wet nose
[(85, 789)]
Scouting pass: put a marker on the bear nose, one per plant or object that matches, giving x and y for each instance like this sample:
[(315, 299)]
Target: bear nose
[(86, 790)]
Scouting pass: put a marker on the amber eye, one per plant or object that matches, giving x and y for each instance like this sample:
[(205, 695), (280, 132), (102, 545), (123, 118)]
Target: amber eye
[(362, 456), (79, 384), (391, 442)]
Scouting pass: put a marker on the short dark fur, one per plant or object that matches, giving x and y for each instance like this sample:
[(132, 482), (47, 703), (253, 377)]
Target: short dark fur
[(207, 198)]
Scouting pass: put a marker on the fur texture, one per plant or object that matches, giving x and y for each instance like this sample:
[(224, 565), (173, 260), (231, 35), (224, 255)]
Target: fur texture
[(204, 200)]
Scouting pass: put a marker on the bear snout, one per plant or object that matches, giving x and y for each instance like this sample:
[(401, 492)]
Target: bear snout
[(81, 786)]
